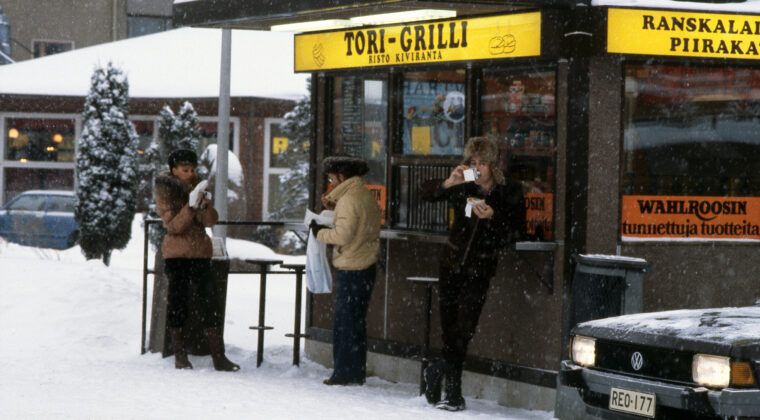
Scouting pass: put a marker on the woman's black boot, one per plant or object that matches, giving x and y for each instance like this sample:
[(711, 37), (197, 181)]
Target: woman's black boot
[(454, 400), (180, 354), (216, 347), (433, 377)]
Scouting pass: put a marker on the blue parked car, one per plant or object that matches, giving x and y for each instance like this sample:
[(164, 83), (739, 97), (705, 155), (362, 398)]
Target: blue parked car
[(42, 219)]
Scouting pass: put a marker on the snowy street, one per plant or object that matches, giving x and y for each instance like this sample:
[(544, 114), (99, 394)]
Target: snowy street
[(71, 351)]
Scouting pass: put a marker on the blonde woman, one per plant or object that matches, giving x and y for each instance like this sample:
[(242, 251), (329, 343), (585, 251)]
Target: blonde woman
[(489, 214)]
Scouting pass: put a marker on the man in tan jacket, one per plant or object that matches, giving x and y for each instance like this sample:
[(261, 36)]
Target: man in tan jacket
[(356, 240)]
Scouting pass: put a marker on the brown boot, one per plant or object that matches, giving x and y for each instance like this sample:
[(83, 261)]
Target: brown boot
[(216, 347), (180, 354)]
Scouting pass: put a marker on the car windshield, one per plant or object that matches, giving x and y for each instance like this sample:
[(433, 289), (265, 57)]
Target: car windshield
[(60, 203), (29, 203)]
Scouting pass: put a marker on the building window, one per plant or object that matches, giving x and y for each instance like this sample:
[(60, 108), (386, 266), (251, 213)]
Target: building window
[(518, 112), (144, 129), (208, 130), (434, 113), (145, 25), (39, 139), (18, 180), (359, 127), (41, 48), (691, 140), (281, 191)]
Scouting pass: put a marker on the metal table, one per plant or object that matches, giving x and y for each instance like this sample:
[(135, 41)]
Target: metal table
[(264, 265)]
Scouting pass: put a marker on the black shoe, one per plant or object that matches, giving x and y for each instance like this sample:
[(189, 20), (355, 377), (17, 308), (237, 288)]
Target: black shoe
[(454, 404), (433, 376), (330, 382)]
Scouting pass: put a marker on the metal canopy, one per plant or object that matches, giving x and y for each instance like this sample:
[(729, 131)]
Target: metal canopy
[(262, 14)]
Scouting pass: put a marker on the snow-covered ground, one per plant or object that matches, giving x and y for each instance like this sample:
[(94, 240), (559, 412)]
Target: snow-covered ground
[(70, 349)]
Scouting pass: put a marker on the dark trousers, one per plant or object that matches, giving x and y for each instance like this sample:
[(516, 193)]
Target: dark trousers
[(352, 293), (192, 276), (461, 299)]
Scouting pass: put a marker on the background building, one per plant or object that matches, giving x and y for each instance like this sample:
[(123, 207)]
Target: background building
[(43, 27), (41, 102)]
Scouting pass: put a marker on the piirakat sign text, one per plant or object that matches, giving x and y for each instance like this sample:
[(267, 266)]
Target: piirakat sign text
[(675, 33)]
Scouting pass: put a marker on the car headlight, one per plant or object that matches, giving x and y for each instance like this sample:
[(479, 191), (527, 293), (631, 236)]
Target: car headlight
[(714, 371), (583, 350)]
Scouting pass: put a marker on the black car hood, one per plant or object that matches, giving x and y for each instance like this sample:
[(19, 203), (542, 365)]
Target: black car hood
[(721, 331)]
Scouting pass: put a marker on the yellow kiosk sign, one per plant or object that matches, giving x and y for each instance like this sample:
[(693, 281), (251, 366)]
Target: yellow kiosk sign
[(658, 32), (494, 37)]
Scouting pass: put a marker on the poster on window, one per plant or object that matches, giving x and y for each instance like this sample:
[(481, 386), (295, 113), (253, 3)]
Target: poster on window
[(433, 120), (690, 218), (539, 214)]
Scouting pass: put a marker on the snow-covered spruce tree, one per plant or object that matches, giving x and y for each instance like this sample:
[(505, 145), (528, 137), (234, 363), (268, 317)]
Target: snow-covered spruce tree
[(175, 131), (178, 131), (106, 163)]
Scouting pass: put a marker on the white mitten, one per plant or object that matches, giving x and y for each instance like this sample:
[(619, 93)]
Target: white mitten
[(197, 194)]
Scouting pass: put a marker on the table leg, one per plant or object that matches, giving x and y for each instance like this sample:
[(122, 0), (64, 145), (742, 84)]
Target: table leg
[(297, 323), (426, 338), (262, 311)]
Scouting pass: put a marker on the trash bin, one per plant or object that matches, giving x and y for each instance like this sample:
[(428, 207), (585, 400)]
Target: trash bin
[(606, 285), (195, 340)]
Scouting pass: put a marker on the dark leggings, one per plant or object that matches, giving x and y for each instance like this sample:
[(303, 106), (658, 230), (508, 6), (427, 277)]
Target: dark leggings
[(192, 279), (461, 300)]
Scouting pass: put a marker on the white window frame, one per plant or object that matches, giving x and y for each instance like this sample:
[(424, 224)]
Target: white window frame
[(235, 131), (4, 163), (151, 118), (234, 120), (269, 170)]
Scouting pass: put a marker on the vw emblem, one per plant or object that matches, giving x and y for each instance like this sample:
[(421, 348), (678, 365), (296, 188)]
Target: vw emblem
[(637, 360)]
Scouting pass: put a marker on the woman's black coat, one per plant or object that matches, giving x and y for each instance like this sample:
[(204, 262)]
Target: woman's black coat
[(473, 243)]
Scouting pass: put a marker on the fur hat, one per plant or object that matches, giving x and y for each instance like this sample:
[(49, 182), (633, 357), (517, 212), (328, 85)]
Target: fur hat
[(181, 156), (345, 165), (484, 148)]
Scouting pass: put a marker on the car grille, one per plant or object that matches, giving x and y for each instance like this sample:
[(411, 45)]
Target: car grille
[(662, 364)]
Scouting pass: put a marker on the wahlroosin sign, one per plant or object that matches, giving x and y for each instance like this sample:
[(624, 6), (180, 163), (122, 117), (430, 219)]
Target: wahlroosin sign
[(659, 32), (494, 37), (687, 217)]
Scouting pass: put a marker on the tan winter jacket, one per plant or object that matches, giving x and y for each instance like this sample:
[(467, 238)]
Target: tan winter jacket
[(356, 235), (186, 237)]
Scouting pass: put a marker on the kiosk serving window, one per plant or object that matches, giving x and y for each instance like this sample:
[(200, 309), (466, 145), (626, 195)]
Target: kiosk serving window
[(518, 111), (434, 113), (360, 126), (691, 142)]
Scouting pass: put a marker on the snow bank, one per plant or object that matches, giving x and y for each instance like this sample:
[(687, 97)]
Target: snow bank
[(71, 350)]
